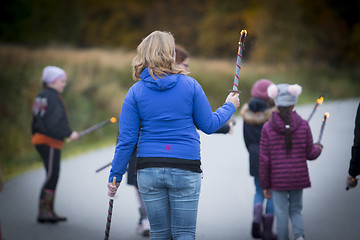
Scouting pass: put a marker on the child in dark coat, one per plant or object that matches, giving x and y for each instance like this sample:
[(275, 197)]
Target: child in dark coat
[(285, 146), (255, 114), (50, 127)]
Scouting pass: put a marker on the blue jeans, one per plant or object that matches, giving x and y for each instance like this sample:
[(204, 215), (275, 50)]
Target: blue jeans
[(171, 198), (259, 198), (288, 204)]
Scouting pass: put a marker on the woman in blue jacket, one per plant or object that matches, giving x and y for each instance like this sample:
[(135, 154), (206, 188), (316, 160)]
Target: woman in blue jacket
[(166, 104)]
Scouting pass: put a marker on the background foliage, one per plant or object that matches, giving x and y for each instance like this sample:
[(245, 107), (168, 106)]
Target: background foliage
[(279, 31)]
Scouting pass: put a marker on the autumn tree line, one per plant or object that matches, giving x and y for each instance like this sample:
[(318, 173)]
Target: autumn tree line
[(293, 31)]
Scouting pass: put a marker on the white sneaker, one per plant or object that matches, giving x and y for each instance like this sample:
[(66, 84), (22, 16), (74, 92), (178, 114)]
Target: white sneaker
[(144, 228), (300, 238)]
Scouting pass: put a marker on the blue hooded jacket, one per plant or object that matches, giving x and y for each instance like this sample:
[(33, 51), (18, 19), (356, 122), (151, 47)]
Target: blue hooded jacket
[(166, 109)]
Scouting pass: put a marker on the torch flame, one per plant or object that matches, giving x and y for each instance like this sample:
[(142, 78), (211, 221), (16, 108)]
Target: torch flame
[(113, 119), (320, 100), (243, 32), (327, 115)]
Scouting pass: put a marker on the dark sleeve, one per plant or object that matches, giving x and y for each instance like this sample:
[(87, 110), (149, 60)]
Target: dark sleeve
[(354, 168), (56, 118), (252, 134), (224, 129)]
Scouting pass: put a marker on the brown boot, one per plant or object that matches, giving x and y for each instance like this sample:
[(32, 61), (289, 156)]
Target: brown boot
[(46, 208)]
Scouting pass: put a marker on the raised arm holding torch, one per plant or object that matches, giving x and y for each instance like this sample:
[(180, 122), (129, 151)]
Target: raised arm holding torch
[(318, 102), (326, 116), (238, 61)]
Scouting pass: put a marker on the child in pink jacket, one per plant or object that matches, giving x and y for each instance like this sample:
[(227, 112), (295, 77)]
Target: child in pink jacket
[(285, 146)]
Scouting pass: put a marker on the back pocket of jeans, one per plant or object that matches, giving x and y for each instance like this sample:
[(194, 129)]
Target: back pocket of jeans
[(187, 183), (145, 178)]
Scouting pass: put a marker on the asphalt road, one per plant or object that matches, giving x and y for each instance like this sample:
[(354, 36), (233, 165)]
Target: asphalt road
[(225, 209)]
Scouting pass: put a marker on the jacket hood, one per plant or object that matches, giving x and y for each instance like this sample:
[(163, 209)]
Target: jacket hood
[(256, 112), (278, 124), (257, 105), (158, 84)]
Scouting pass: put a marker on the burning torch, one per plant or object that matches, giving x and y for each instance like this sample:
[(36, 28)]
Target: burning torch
[(243, 34), (326, 116), (97, 126), (318, 102)]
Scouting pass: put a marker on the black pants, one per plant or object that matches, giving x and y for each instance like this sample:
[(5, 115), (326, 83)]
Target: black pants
[(51, 160)]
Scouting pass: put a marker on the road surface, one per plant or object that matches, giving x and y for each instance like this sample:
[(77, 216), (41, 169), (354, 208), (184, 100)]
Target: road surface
[(225, 209)]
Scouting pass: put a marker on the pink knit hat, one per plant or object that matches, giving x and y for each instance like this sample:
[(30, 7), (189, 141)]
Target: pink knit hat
[(259, 89), (52, 73)]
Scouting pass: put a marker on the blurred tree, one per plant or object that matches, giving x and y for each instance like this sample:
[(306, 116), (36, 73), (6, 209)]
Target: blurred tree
[(326, 31), (279, 33), (181, 18), (113, 23), (348, 11), (40, 22), (219, 29)]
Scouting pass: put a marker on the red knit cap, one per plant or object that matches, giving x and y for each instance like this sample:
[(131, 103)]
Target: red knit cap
[(259, 89)]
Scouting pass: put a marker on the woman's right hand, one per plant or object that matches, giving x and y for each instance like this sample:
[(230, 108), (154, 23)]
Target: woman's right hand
[(233, 97), (112, 188)]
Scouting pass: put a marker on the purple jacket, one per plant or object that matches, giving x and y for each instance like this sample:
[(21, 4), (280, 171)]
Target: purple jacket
[(279, 170)]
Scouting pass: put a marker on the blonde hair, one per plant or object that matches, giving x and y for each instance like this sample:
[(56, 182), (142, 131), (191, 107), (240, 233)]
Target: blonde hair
[(157, 52)]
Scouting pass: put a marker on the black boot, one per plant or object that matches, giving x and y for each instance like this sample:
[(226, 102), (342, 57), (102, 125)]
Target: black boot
[(256, 224), (268, 221), (46, 208)]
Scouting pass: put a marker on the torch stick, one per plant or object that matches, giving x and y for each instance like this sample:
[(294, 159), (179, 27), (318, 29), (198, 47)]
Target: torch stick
[(326, 116), (318, 102), (97, 126), (108, 222), (103, 167), (243, 34)]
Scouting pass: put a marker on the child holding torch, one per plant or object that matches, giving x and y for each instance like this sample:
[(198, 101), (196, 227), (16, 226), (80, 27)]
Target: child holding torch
[(255, 113), (285, 146), (166, 104), (49, 128)]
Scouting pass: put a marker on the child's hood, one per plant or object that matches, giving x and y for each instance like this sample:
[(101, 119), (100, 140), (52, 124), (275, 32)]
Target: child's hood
[(256, 112), (278, 124)]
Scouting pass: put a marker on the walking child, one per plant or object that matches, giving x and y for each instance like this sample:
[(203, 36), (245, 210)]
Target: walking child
[(49, 128), (255, 114), (285, 146)]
